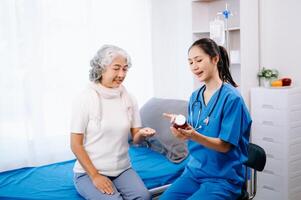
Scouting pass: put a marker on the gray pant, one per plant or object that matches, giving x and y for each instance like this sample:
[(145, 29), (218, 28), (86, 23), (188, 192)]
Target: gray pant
[(128, 186)]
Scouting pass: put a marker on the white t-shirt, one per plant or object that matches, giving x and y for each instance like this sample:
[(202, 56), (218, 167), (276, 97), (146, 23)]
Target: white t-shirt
[(105, 131)]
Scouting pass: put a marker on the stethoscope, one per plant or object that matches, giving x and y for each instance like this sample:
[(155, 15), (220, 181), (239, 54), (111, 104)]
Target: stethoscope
[(197, 125)]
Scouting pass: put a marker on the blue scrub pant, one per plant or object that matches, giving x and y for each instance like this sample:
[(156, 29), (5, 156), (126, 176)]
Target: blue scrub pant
[(187, 187), (128, 185)]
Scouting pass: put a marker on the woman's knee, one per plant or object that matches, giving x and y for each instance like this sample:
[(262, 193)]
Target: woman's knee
[(144, 195), (147, 195), (87, 190), (141, 195)]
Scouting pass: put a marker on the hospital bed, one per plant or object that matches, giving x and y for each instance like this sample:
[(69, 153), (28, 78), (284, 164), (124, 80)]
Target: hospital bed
[(55, 181)]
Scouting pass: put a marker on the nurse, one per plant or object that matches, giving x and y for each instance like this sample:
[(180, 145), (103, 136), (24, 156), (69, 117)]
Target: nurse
[(218, 133)]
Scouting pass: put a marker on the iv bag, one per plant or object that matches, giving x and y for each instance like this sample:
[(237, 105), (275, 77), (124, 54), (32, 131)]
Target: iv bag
[(217, 31)]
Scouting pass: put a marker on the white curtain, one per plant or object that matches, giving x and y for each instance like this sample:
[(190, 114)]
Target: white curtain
[(45, 49)]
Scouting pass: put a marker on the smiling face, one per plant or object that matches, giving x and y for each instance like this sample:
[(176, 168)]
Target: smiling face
[(201, 65), (115, 72)]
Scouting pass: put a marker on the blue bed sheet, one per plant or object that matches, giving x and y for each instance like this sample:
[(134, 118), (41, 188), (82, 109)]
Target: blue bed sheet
[(55, 181)]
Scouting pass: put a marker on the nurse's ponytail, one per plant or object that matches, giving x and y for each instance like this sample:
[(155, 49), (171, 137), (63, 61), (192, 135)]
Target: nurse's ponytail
[(212, 49), (223, 67)]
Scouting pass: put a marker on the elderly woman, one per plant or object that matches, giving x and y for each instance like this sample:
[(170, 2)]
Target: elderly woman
[(102, 117)]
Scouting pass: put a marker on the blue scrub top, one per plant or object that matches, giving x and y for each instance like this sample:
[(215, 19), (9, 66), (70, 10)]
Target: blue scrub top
[(231, 122)]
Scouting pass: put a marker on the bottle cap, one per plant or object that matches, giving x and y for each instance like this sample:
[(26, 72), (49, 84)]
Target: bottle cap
[(180, 120)]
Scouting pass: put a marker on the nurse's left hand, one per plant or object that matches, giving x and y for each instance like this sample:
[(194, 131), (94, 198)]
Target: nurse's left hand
[(187, 132), (147, 132)]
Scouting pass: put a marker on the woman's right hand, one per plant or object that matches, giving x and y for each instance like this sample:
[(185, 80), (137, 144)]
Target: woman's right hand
[(103, 183)]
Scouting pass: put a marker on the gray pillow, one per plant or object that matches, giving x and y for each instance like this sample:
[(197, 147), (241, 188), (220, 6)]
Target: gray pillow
[(164, 142)]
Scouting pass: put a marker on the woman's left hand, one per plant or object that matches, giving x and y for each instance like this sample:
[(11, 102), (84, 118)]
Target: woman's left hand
[(147, 132)]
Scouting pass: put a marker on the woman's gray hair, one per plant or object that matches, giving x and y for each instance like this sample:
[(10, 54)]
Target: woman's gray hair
[(103, 58)]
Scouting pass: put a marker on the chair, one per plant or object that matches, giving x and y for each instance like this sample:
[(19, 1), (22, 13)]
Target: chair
[(256, 162)]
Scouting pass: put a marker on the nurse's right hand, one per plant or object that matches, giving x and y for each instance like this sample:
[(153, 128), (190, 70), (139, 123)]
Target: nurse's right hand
[(170, 116), (103, 183)]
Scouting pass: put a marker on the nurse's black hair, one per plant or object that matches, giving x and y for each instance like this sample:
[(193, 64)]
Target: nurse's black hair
[(212, 49)]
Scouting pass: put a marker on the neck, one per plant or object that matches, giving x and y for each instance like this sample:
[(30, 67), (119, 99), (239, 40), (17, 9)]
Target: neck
[(213, 84), (105, 85)]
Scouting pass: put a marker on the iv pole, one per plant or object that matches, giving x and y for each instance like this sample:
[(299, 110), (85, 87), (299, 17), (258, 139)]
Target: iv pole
[(226, 13)]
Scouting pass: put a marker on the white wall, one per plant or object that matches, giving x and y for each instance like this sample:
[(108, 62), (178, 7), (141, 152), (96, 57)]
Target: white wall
[(171, 37), (270, 37), (280, 37), (127, 25), (45, 51), (249, 46)]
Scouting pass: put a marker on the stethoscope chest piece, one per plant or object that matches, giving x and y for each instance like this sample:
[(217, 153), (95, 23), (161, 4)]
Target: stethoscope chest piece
[(206, 120)]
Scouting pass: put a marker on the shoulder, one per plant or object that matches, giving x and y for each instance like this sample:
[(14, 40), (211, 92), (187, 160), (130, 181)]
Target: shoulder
[(129, 94), (195, 93), (231, 94), (133, 99), (233, 98), (234, 101)]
